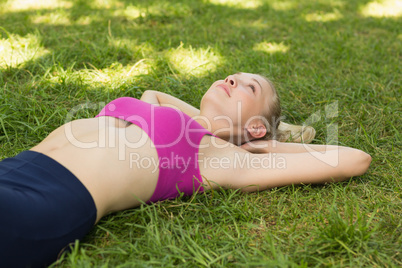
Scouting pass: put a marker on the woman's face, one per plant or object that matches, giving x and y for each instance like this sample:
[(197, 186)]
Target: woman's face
[(236, 101)]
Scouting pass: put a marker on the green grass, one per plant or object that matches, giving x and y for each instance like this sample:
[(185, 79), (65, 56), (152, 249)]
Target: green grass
[(56, 55)]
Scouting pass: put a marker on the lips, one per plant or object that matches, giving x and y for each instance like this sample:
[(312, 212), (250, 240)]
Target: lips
[(226, 88)]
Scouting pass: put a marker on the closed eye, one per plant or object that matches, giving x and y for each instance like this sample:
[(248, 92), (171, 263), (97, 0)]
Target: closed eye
[(252, 88)]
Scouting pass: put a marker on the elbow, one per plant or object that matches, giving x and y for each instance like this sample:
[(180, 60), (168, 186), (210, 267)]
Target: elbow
[(361, 164), (354, 163), (367, 161)]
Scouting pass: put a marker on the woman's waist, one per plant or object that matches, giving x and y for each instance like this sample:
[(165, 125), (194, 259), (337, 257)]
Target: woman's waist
[(109, 173)]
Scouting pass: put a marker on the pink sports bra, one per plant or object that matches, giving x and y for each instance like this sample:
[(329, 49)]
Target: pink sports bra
[(176, 137)]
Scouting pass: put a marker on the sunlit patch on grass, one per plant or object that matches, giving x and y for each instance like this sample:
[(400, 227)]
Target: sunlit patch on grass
[(324, 17), (238, 3), (195, 62), (54, 18), (164, 9), (115, 76), (106, 4), (138, 62), (35, 4), (15, 50), (116, 73), (132, 12), (84, 20), (384, 8), (144, 49), (271, 47), (169, 9), (283, 5)]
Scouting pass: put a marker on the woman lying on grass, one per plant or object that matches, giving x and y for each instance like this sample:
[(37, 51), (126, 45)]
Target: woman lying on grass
[(134, 152)]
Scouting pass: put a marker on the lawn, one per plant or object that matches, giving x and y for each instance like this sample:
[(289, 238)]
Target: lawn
[(337, 67)]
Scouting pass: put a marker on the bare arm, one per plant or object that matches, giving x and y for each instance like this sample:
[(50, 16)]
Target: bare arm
[(337, 164), (252, 172), (163, 99), (272, 146)]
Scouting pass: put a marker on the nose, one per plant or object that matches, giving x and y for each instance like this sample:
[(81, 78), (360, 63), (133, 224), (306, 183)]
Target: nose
[(231, 80)]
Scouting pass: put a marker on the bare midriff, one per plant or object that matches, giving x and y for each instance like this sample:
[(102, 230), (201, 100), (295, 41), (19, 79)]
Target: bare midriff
[(115, 160)]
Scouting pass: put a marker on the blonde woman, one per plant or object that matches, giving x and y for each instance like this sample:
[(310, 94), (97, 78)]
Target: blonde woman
[(138, 151)]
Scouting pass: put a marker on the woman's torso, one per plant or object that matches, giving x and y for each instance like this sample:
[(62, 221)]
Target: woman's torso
[(96, 151), (118, 163)]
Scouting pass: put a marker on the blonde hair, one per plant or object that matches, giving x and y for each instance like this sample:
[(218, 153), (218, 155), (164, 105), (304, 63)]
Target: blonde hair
[(273, 116)]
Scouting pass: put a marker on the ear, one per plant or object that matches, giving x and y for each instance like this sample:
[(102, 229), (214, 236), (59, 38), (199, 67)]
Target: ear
[(257, 130)]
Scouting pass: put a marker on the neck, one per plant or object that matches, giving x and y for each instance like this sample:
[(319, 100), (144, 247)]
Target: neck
[(226, 133), (204, 122)]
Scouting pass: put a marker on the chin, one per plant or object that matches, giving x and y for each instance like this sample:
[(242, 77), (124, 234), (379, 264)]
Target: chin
[(209, 100)]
